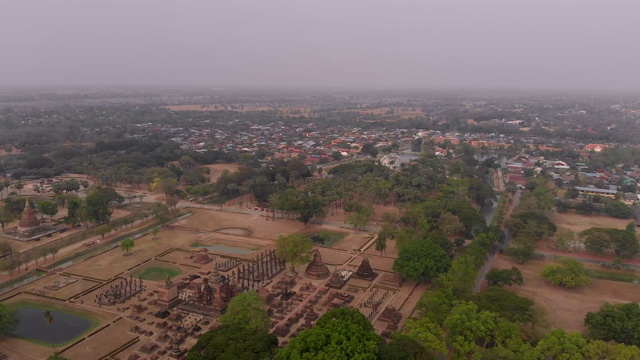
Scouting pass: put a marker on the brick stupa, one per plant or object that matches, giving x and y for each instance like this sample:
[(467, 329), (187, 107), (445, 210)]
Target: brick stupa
[(365, 271), (317, 269), (29, 222)]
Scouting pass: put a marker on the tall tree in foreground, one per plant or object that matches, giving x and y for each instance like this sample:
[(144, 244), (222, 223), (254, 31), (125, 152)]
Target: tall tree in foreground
[(343, 333), (234, 342), (248, 310)]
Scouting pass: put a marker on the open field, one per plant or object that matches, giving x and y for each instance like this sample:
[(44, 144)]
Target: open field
[(114, 261), (577, 223), (566, 308), (63, 293), (260, 226), (217, 169)]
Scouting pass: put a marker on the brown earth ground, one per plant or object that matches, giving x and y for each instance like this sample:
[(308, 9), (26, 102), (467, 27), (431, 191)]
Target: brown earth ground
[(577, 223), (14, 151), (173, 246), (566, 308)]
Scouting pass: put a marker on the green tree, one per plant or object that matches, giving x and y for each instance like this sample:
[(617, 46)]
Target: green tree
[(381, 243), (126, 245), (404, 347), (48, 317), (561, 345), (48, 207), (569, 273), (469, 329), (623, 243), (522, 248), (248, 310), (505, 277), (369, 149), (234, 342), (428, 334), (154, 231), (449, 224), (19, 185), (343, 333), (619, 322), (294, 249), (505, 304), (618, 209), (5, 249), (160, 212), (6, 217), (56, 356), (360, 217), (96, 208), (8, 320), (564, 238), (599, 350), (103, 230), (74, 212), (421, 260)]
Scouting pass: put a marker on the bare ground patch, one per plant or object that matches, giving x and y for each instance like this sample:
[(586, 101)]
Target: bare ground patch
[(566, 308), (577, 223)]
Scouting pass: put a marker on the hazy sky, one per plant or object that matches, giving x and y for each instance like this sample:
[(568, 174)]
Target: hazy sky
[(538, 44)]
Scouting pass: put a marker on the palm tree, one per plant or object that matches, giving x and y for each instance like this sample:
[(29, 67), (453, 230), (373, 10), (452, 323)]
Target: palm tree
[(49, 318)]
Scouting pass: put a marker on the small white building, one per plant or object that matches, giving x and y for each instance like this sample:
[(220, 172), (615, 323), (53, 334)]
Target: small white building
[(392, 161)]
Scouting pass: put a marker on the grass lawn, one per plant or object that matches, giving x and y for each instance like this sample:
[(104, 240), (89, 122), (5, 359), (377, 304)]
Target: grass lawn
[(325, 237), (158, 273), (613, 276)]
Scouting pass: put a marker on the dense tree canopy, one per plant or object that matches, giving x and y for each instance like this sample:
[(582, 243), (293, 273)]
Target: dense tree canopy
[(623, 242), (248, 310), (505, 277), (343, 333), (231, 342), (421, 260), (619, 322)]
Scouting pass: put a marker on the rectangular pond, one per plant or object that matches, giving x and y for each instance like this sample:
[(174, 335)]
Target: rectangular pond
[(64, 327), (228, 249)]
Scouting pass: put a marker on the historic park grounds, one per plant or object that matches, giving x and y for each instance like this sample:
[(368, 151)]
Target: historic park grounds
[(85, 326)]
